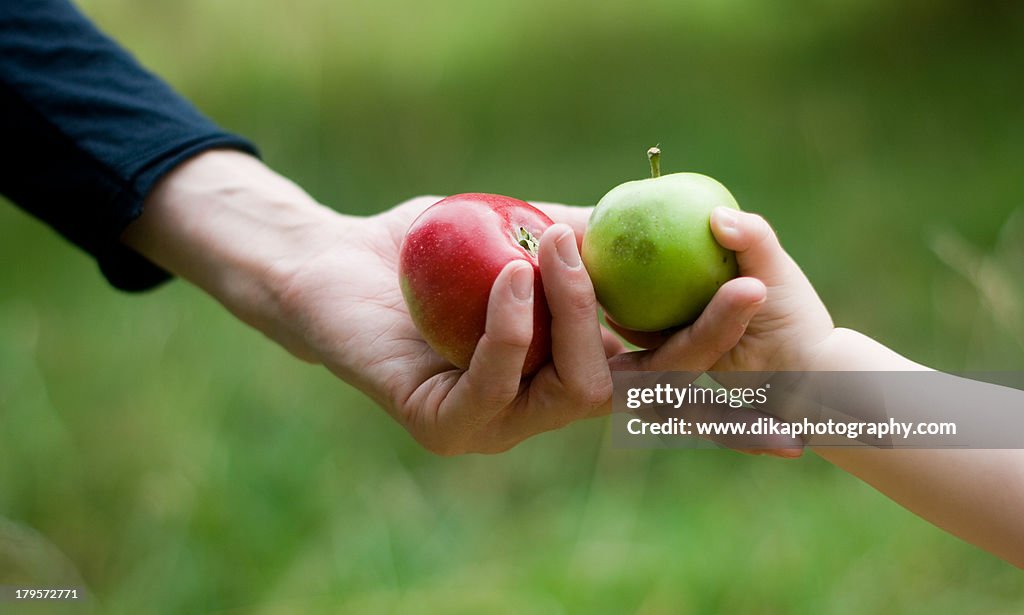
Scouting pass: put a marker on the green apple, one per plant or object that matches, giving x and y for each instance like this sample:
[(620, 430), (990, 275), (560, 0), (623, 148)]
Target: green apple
[(650, 252)]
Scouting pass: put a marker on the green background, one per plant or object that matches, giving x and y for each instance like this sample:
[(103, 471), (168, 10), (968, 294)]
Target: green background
[(158, 452)]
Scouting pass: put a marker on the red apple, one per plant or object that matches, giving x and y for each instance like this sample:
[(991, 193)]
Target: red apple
[(450, 258)]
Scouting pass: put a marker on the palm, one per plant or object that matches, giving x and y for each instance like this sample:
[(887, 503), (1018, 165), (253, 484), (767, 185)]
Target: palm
[(793, 320), (367, 336), (375, 340)]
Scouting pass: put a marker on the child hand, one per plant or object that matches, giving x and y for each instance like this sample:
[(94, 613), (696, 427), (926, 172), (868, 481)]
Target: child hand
[(792, 325)]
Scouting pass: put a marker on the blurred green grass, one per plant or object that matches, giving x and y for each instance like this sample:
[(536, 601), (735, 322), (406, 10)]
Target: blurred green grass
[(181, 463)]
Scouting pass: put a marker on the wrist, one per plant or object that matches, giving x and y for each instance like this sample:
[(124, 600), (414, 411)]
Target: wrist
[(849, 350), (231, 226)]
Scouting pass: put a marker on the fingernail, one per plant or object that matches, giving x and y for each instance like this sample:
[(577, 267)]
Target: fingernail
[(567, 251), (522, 283), (727, 218)]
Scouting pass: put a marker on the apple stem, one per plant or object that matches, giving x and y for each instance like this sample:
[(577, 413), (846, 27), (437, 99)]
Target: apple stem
[(654, 155)]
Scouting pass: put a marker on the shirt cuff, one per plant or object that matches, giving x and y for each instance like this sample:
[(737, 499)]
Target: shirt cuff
[(125, 268)]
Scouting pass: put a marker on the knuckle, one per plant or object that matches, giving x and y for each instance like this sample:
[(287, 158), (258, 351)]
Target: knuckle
[(598, 394), (721, 337), (602, 391), (763, 233), (593, 392), (580, 304), (491, 392), (509, 339), (496, 395)]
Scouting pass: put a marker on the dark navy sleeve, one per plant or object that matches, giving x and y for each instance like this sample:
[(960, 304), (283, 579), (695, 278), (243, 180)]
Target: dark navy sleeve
[(86, 132)]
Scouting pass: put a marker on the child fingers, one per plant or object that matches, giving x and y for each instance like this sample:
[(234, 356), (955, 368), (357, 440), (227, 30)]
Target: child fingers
[(757, 247)]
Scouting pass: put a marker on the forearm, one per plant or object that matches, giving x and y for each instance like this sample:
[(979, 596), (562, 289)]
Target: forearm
[(977, 495), (236, 229)]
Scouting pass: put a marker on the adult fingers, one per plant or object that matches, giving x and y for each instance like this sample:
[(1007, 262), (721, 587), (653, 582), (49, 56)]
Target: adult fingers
[(577, 344), (577, 383), (493, 379)]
